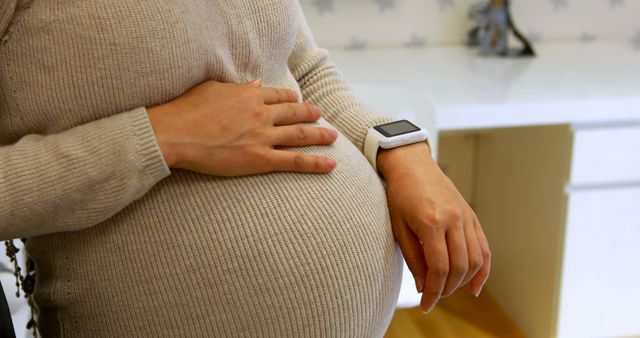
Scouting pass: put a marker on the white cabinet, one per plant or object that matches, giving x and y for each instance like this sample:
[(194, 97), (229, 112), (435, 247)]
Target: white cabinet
[(599, 295), (606, 155), (600, 292), (560, 206)]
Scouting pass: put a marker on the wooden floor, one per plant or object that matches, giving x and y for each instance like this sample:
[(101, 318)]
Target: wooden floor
[(458, 316)]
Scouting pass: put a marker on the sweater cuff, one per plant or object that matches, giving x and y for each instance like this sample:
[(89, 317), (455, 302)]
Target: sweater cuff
[(363, 128), (153, 167)]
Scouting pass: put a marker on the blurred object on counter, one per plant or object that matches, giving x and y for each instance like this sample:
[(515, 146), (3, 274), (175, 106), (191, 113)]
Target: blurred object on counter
[(494, 21)]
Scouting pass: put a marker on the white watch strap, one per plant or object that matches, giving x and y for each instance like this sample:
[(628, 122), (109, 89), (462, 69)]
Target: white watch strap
[(371, 144)]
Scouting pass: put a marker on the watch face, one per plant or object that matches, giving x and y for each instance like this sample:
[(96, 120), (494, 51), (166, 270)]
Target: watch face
[(396, 128)]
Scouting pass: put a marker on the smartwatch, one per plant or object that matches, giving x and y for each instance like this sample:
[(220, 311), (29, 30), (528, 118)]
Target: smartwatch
[(392, 135)]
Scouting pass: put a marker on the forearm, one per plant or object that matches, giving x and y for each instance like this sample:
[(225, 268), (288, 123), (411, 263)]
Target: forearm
[(77, 178)]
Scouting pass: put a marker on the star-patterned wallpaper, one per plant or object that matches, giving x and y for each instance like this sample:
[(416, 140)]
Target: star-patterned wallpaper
[(361, 24)]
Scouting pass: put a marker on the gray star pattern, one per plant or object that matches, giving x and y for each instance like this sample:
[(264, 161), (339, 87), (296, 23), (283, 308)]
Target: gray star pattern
[(415, 42), (445, 3), (558, 4), (616, 3), (385, 4), (586, 37), (323, 6), (635, 40), (356, 44)]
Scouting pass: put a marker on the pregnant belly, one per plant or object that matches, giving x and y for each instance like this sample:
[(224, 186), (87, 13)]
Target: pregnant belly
[(278, 255)]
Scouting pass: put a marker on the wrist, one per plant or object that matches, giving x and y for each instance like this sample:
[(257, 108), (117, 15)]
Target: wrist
[(157, 117), (398, 161)]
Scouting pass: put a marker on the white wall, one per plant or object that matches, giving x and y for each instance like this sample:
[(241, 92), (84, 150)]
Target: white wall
[(396, 23)]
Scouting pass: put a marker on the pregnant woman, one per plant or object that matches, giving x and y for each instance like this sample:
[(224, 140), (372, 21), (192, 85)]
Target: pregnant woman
[(194, 169)]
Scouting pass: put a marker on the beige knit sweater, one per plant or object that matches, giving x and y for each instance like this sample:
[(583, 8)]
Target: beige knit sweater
[(125, 247)]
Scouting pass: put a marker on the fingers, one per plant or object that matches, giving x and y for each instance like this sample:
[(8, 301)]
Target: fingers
[(435, 251), (474, 251), (411, 250), (278, 95), (478, 281), (255, 83), (301, 135), (283, 160), (458, 259), (465, 256), (292, 113), (273, 95)]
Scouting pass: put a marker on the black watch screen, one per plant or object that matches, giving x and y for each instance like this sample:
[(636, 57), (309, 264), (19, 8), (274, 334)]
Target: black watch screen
[(396, 128)]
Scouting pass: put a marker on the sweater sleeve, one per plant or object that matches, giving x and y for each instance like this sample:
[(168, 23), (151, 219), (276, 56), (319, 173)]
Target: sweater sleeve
[(7, 7), (323, 84), (79, 177), (76, 178)]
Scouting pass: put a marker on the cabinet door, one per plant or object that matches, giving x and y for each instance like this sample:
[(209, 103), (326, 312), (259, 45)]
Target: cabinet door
[(606, 155), (600, 294)]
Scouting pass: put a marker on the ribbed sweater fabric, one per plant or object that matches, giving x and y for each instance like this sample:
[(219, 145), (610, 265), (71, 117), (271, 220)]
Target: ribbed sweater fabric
[(126, 247)]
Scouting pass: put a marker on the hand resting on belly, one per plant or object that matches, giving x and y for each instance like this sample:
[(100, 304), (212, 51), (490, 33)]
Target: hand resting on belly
[(227, 129)]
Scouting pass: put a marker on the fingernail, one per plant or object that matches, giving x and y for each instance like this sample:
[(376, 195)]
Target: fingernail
[(332, 133), (424, 312), (331, 163), (419, 284), (479, 290), (476, 290)]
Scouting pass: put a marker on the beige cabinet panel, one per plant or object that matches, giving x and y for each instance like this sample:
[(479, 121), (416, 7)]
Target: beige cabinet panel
[(521, 203)]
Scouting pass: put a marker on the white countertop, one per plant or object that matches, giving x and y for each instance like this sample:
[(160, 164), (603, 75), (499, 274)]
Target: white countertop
[(576, 83)]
